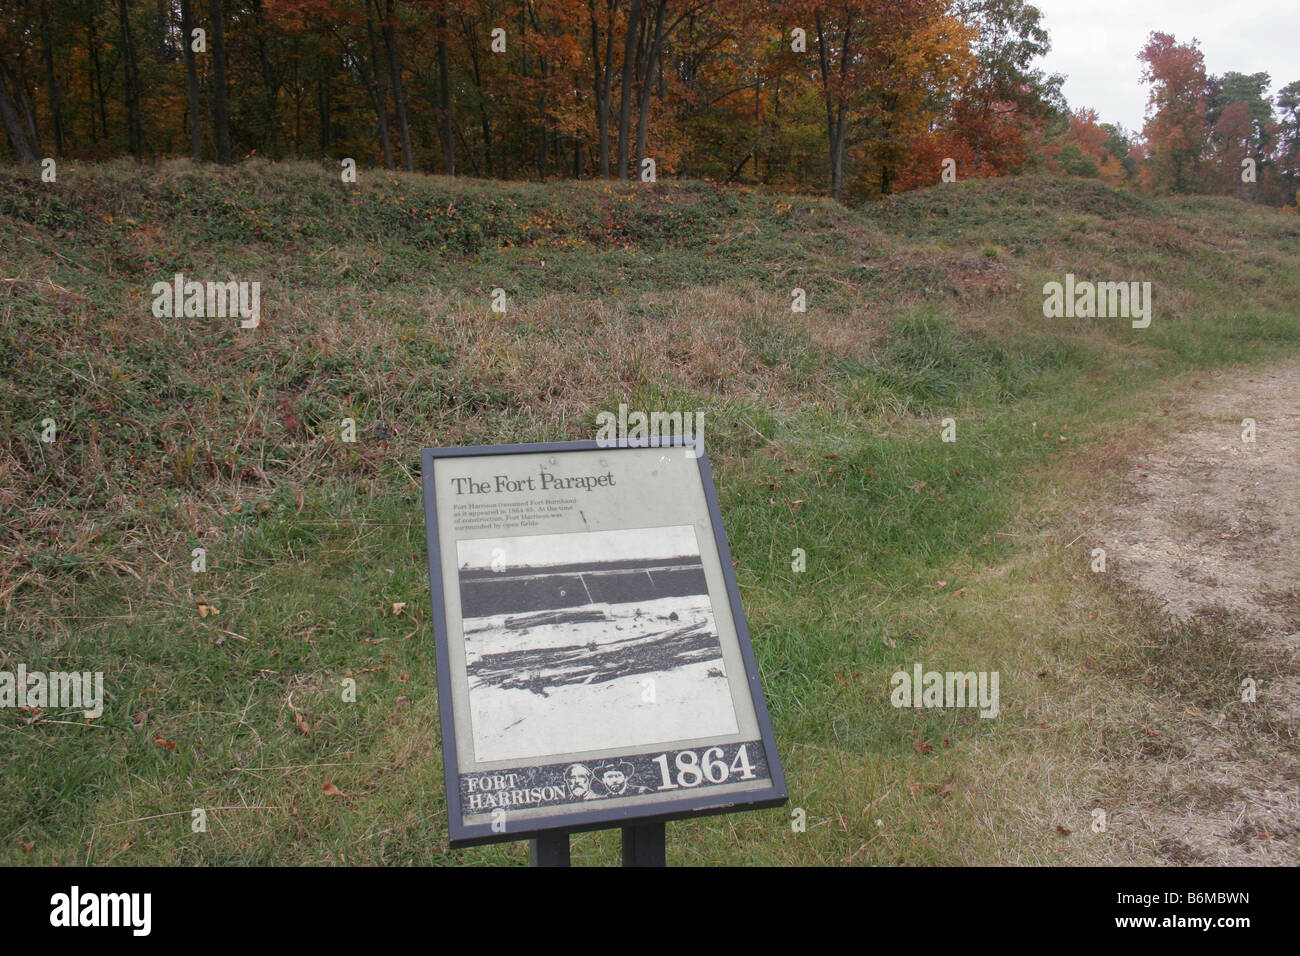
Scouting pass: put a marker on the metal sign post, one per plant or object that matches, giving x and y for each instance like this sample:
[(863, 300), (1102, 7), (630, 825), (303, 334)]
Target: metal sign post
[(644, 844)]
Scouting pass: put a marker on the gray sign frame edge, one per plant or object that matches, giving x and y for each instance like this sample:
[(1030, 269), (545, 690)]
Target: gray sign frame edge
[(676, 809)]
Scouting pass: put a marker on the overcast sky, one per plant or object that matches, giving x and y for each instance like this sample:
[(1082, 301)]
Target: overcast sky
[(1095, 44)]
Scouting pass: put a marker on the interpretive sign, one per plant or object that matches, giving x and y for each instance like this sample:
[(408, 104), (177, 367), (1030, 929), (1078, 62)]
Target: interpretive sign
[(594, 667)]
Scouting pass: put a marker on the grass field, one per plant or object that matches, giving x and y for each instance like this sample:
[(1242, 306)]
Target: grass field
[(823, 432)]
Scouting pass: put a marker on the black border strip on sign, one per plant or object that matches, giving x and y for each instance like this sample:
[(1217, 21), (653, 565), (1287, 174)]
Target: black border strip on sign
[(678, 808)]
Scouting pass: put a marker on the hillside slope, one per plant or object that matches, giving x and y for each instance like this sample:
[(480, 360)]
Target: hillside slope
[(172, 434)]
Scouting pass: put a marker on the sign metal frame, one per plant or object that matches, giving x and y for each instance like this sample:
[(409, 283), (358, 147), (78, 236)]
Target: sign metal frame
[(594, 815)]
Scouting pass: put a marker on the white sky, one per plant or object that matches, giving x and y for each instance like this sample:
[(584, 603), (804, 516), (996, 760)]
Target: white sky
[(1095, 44)]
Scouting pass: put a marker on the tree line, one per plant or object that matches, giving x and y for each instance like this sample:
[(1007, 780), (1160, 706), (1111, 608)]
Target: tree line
[(859, 98)]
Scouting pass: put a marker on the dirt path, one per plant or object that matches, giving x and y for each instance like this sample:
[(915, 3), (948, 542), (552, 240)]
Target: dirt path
[(1210, 528)]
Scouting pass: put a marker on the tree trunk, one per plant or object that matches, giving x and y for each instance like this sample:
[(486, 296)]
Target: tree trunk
[(399, 97), (837, 153), (484, 125), (543, 99), (836, 112), (33, 132), (97, 75), (131, 82), (269, 80), (323, 106), (220, 94), (601, 119), (643, 107), (375, 80), (544, 152), (602, 80), (18, 139), (192, 79), (444, 100), (625, 86), (52, 81)]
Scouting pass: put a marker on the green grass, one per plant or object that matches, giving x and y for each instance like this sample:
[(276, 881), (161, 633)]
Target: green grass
[(823, 429)]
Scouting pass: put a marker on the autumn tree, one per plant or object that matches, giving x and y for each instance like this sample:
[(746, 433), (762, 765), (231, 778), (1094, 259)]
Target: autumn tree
[(1176, 130), (1288, 104)]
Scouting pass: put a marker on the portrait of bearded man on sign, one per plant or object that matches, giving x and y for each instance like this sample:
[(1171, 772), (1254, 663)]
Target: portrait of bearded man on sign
[(616, 779), (578, 780)]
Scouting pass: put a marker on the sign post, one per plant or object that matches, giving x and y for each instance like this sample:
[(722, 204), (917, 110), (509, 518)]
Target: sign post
[(644, 844), (594, 666), (549, 849)]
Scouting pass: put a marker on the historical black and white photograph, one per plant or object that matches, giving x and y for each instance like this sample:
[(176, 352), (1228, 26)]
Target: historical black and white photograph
[(590, 641)]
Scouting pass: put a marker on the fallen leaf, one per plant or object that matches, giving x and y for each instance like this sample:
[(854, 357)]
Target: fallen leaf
[(302, 724), (332, 791), (28, 846), (398, 606), (940, 585), (947, 786), (1062, 830), (205, 609), (164, 743), (922, 747)]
